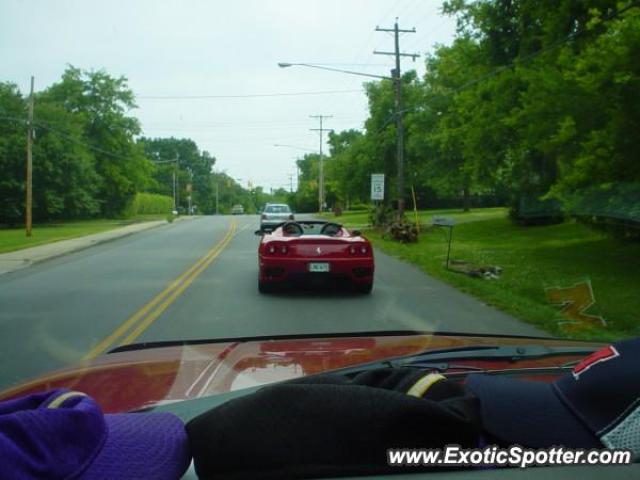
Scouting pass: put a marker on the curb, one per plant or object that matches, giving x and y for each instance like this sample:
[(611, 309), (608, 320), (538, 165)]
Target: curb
[(25, 263)]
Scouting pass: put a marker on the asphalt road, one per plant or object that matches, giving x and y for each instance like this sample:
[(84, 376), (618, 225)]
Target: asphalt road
[(125, 291)]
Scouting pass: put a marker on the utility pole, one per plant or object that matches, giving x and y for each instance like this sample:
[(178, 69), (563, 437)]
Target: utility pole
[(28, 203), (217, 210), (175, 207), (190, 188), (321, 175), (176, 187), (397, 80), (178, 191)]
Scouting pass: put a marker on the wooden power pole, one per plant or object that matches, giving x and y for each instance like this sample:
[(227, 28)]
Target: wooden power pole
[(397, 80), (321, 197), (28, 203)]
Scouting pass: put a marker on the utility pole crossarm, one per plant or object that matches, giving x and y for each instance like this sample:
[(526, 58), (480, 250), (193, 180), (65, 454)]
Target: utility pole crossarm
[(393, 30), (397, 80), (412, 55)]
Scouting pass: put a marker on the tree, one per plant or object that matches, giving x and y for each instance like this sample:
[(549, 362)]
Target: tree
[(191, 166), (64, 175), (65, 181), (102, 102), (344, 168), (307, 194), (12, 153)]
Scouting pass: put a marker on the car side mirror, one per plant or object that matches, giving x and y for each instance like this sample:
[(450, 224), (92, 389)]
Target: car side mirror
[(258, 233), (356, 233)]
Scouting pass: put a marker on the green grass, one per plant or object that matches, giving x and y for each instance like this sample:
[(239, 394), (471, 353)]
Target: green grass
[(361, 218), (533, 258), (12, 239), (350, 219)]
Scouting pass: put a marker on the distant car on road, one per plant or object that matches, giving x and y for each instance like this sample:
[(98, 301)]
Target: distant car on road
[(237, 210), (316, 252), (274, 214)]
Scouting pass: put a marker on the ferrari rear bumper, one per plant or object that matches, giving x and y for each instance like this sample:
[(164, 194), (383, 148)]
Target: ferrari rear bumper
[(280, 270)]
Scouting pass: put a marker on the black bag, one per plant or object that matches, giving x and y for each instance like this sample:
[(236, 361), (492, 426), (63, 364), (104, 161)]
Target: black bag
[(330, 425)]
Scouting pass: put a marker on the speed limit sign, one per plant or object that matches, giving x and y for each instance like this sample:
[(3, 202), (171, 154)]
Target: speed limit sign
[(377, 186)]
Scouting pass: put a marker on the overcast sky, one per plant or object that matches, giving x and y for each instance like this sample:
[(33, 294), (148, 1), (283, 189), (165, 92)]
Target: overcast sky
[(217, 48)]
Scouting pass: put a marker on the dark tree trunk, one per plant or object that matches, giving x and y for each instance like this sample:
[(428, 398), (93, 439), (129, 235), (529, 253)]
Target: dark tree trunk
[(466, 199)]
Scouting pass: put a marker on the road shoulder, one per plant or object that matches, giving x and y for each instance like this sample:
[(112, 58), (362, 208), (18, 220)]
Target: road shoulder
[(19, 259)]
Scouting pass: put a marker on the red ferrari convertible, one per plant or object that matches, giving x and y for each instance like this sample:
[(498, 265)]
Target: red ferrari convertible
[(314, 252)]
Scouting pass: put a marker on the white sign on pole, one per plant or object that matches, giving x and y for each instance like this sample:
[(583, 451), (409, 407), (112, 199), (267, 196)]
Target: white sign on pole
[(377, 186)]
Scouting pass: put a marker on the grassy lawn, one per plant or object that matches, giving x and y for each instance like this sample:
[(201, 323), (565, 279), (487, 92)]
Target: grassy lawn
[(532, 259), (12, 239), (361, 218)]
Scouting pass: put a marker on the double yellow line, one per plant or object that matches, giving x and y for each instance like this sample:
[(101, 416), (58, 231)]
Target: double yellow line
[(140, 321)]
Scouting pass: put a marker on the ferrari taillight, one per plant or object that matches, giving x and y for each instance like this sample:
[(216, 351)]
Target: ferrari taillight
[(362, 250), (277, 248)]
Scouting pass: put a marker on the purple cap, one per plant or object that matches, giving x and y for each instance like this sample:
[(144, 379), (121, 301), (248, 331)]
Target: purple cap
[(64, 434)]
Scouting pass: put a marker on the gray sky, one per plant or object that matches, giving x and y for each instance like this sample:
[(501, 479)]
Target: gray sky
[(208, 48)]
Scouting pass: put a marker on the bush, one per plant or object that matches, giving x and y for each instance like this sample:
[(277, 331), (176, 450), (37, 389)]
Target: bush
[(359, 207), (381, 215), (402, 232), (149, 204)]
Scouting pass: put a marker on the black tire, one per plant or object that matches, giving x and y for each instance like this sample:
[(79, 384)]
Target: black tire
[(264, 287), (363, 288)]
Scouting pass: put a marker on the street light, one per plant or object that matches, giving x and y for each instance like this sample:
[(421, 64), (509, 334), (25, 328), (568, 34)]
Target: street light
[(397, 81), (320, 67)]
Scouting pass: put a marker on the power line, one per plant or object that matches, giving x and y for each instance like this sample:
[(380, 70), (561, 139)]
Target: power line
[(496, 71), (408, 6), (359, 52), (115, 155), (283, 123), (250, 95), (67, 137)]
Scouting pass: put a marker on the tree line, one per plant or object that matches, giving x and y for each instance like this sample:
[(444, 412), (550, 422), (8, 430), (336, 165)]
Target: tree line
[(536, 103), (90, 159)]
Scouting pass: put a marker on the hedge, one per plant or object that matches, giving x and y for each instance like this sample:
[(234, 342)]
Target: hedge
[(149, 203)]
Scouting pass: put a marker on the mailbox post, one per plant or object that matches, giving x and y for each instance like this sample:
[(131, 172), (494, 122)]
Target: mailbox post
[(446, 222)]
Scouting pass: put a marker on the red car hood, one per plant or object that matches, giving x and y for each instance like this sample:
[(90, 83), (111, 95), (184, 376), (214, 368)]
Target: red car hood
[(134, 379)]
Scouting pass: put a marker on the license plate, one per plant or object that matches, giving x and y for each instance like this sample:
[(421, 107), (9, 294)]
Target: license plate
[(318, 267)]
